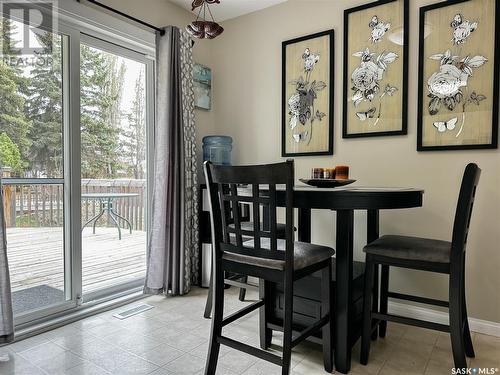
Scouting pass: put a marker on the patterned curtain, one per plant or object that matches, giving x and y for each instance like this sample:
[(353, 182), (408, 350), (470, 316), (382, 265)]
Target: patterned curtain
[(173, 244), (190, 160)]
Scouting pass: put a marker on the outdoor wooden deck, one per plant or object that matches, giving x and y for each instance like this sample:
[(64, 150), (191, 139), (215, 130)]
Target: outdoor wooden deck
[(36, 257)]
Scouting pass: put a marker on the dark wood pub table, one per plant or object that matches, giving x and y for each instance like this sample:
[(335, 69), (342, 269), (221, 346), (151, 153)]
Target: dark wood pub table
[(344, 201)]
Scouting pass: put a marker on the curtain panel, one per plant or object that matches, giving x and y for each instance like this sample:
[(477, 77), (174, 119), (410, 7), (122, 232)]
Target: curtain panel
[(6, 316), (173, 254)]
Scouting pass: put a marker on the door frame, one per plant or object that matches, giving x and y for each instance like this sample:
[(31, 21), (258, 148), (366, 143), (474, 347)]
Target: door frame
[(76, 34), (71, 125)]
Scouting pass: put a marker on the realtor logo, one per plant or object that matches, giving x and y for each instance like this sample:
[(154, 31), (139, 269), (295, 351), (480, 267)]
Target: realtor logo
[(23, 23), (475, 371)]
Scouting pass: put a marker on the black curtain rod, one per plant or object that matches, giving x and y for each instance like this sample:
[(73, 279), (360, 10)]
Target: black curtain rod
[(161, 31)]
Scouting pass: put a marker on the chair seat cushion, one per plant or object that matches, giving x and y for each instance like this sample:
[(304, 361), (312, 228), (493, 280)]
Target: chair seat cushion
[(248, 226), (411, 248), (305, 254)]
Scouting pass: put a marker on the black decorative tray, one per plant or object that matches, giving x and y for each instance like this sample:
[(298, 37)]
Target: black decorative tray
[(325, 182)]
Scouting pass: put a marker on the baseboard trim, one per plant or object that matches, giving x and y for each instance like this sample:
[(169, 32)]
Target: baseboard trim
[(417, 312)]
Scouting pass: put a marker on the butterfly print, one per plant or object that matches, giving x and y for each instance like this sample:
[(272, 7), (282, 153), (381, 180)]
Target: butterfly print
[(301, 137), (443, 126), (363, 116)]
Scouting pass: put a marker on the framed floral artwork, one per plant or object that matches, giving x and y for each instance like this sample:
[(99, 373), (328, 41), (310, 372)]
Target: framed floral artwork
[(376, 69), (458, 75), (307, 95)]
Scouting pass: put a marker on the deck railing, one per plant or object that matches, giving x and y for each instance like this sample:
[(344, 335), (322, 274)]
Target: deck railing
[(28, 205)]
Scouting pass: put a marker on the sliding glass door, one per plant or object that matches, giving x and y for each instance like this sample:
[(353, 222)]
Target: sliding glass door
[(113, 167), (74, 120), (34, 150)]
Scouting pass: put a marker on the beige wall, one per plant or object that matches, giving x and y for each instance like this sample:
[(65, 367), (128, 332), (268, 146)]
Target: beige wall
[(163, 13), (246, 62)]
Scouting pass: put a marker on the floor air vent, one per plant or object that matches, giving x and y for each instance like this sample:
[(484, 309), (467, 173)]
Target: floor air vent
[(133, 311)]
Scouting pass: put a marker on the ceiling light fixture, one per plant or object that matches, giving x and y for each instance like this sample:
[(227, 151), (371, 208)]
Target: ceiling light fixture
[(201, 28)]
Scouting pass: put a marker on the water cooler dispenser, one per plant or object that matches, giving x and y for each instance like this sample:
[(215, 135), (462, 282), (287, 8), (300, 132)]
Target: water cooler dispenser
[(217, 149)]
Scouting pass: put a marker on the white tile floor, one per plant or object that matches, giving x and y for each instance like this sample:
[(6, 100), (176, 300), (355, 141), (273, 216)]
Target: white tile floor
[(172, 339)]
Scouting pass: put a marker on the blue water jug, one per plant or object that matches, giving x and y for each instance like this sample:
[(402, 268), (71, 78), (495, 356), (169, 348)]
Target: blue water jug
[(217, 149)]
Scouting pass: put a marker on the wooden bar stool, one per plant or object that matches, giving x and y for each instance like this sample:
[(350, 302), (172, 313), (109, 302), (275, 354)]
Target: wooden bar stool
[(265, 257), (238, 280), (426, 255)]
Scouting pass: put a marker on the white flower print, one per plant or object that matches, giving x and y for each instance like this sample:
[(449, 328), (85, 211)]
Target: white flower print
[(379, 29), (369, 81), (462, 29), (445, 86), (310, 60), (366, 78), (449, 86), (447, 81), (301, 103), (365, 81)]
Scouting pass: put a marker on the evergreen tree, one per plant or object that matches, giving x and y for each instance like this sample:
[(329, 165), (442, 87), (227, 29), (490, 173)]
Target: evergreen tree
[(44, 109), (101, 82), (13, 121), (134, 138), (115, 91), (12, 56)]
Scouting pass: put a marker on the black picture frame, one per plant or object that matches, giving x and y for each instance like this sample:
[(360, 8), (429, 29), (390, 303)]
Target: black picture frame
[(496, 86), (331, 34), (346, 79)]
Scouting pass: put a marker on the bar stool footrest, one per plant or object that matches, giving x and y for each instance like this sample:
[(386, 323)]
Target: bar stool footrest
[(310, 330), (411, 322), (266, 356), (426, 301), (241, 313), (240, 284)]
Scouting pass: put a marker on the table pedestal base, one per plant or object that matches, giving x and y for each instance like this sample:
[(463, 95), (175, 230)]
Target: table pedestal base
[(107, 206)]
